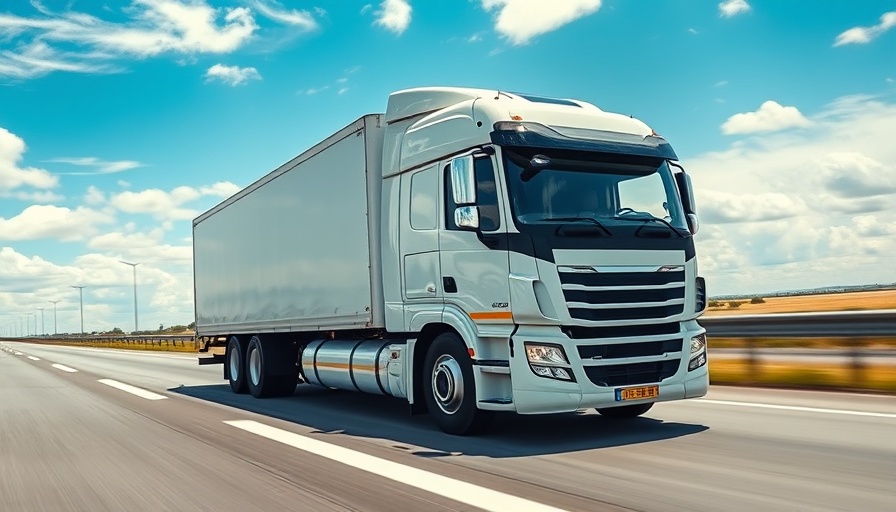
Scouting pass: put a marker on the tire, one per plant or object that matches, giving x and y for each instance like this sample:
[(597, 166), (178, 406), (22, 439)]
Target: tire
[(235, 369), (268, 368), (625, 411), (449, 387)]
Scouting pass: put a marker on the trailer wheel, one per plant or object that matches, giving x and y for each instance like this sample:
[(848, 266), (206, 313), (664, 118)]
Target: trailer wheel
[(269, 371), (626, 411), (449, 387), (235, 355)]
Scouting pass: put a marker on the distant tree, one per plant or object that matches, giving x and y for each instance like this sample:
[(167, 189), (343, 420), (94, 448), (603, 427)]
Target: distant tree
[(716, 304), (734, 304), (161, 328), (116, 330), (191, 326), (757, 300)]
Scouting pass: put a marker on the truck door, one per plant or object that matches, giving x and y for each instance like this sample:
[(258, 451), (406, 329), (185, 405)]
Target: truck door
[(475, 265), (419, 240)]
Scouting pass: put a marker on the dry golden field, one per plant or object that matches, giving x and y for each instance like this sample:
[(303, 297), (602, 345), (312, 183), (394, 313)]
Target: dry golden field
[(881, 299)]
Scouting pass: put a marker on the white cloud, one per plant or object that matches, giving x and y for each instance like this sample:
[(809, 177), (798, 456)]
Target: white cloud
[(863, 35), (730, 8), (141, 247), (521, 20), (724, 207), (12, 149), (100, 166), (394, 15), (53, 222), (42, 196), (94, 196), (231, 75), (343, 90), (780, 210), (223, 189), (770, 117), (155, 27), (302, 19), (168, 206)]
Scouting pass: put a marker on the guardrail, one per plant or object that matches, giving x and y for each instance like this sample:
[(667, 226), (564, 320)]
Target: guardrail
[(848, 324), (167, 340)]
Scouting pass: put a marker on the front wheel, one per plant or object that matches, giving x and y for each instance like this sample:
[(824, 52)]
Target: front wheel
[(450, 389), (625, 411)]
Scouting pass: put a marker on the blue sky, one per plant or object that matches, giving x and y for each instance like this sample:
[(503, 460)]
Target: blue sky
[(120, 121)]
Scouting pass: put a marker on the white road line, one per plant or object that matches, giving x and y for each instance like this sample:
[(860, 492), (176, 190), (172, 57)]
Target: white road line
[(18, 353), (64, 368), (34, 358), (800, 409), (456, 490), (142, 393)]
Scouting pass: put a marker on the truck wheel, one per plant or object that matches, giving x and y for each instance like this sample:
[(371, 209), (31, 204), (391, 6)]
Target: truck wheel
[(626, 411), (263, 360), (236, 369), (450, 389)]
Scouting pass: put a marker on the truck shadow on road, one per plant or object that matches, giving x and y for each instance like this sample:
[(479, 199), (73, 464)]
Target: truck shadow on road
[(511, 435)]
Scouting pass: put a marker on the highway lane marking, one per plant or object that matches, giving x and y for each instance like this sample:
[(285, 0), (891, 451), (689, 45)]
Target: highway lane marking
[(18, 353), (800, 409), (469, 494), (142, 393), (34, 358), (64, 368)]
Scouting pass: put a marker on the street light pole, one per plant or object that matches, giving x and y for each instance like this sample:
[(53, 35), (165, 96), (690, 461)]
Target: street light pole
[(134, 266), (42, 329), (81, 294), (55, 330), (28, 325)]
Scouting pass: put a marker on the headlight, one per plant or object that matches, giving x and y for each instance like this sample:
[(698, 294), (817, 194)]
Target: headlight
[(545, 354), (698, 343), (698, 352), (544, 360)]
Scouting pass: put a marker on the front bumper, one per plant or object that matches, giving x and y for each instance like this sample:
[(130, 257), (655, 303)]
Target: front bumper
[(536, 395)]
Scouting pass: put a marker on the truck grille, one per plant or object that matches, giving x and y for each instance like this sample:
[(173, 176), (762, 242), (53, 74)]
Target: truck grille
[(630, 374), (638, 349), (636, 293)]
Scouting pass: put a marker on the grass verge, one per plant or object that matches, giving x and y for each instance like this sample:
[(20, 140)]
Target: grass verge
[(879, 378), (157, 347)]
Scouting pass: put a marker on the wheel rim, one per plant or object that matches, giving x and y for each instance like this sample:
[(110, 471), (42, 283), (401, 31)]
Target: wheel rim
[(447, 384), (234, 362), (254, 366)]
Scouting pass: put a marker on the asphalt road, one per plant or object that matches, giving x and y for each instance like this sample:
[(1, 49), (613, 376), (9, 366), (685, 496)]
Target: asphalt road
[(74, 440)]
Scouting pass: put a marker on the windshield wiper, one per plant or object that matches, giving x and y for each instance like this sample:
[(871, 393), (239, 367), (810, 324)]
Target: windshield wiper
[(577, 219), (646, 217)]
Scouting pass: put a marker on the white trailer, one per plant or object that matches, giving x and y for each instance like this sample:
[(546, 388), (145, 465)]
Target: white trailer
[(468, 251)]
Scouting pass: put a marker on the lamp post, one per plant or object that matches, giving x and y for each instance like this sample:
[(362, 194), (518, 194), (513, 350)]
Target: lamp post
[(55, 330), (42, 329), (134, 266), (28, 324), (81, 294)]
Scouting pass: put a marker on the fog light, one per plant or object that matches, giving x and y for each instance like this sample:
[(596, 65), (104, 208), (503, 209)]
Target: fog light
[(546, 354), (553, 372), (697, 362)]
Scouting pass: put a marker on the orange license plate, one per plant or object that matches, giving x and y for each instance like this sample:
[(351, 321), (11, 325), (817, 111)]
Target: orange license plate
[(637, 393)]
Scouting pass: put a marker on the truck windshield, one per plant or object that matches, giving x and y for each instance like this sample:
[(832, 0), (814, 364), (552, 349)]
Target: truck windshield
[(613, 189)]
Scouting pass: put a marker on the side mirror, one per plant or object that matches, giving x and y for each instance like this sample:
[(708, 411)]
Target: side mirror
[(693, 223), (467, 217), (463, 181), (687, 192)]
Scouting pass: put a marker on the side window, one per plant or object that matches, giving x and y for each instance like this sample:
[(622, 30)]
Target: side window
[(486, 196), (424, 207)]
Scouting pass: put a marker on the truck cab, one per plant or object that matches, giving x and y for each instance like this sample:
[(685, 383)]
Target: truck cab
[(555, 239)]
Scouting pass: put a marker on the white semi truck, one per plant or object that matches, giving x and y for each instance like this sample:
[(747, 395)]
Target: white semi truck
[(469, 251)]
